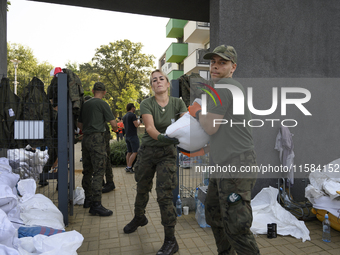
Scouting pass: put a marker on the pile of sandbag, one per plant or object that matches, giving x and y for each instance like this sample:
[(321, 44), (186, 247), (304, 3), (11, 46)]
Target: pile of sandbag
[(27, 164), (324, 192), (21, 207)]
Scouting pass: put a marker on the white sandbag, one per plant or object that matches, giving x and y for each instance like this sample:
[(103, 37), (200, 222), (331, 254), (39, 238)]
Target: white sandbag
[(8, 200), (189, 132), (331, 187), (26, 189), (4, 165), (79, 196), (9, 178), (40, 211), (18, 155), (7, 231), (65, 243), (5, 250), (266, 210)]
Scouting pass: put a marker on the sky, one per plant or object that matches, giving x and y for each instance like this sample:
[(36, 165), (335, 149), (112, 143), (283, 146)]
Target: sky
[(40, 27)]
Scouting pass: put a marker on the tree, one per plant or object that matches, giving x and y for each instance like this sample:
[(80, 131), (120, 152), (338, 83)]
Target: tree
[(86, 74), (8, 3), (125, 72), (28, 67)]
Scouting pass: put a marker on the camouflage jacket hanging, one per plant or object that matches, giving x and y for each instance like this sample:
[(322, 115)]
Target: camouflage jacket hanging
[(10, 110), (75, 90), (36, 106), (190, 87)]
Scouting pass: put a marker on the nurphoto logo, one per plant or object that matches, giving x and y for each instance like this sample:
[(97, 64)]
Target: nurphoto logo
[(239, 103)]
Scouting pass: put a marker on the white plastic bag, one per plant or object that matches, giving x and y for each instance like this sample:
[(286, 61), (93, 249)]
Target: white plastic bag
[(189, 132), (5, 250), (79, 196), (7, 199), (266, 210), (26, 189), (7, 230), (40, 211), (65, 243)]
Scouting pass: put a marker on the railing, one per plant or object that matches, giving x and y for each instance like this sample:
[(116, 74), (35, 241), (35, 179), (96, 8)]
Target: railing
[(203, 24), (199, 56)]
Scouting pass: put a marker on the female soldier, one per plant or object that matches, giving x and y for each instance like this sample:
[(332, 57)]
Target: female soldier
[(158, 154)]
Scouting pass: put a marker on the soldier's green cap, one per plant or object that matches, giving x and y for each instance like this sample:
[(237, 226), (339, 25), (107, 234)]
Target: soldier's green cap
[(99, 86), (224, 51), (87, 98)]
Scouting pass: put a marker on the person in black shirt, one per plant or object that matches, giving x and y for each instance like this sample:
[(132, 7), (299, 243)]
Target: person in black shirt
[(131, 138)]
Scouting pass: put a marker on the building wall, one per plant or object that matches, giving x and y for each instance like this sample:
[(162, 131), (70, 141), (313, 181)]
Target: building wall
[(286, 44)]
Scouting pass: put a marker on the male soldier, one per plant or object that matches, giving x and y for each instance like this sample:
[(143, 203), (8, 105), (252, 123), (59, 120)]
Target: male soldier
[(132, 141), (228, 209), (109, 185), (93, 116)]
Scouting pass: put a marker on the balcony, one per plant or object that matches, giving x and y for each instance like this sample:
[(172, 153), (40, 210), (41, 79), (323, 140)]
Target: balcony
[(176, 52), (168, 67), (174, 28), (195, 62), (197, 32), (175, 74)]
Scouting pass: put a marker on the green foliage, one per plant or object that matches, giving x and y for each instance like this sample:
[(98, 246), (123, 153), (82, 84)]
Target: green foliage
[(28, 67), (118, 153), (8, 3), (125, 72), (86, 74), (119, 150)]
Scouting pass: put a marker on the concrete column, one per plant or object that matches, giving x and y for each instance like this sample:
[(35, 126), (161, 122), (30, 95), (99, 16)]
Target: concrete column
[(287, 44), (276, 38), (3, 38)]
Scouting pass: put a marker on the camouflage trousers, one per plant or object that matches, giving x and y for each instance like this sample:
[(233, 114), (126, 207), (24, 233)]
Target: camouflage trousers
[(108, 169), (94, 164), (160, 160), (231, 221)]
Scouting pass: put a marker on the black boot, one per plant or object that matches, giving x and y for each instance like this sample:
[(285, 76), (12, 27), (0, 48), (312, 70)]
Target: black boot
[(43, 183), (137, 221), (97, 209), (169, 247), (87, 202), (109, 186)]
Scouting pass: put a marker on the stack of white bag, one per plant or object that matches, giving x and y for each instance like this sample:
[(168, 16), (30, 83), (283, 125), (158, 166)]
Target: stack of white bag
[(323, 187), (27, 164), (189, 132), (267, 210), (30, 209)]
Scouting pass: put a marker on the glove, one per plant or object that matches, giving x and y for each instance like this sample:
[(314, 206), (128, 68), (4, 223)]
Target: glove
[(191, 154), (194, 108), (166, 139)]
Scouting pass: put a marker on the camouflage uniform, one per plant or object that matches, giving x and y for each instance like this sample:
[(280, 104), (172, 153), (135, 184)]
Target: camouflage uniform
[(152, 159), (94, 164), (233, 232), (108, 169)]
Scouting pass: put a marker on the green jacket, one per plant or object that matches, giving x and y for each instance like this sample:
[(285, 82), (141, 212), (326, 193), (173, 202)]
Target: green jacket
[(10, 110), (36, 106)]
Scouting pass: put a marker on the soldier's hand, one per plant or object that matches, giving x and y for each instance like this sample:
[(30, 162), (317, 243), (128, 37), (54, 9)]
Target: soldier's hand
[(166, 139), (194, 108)]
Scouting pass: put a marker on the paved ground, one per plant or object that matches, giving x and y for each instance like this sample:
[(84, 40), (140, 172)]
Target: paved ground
[(104, 235)]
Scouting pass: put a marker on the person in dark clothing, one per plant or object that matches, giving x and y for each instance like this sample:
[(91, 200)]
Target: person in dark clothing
[(131, 138), (93, 116)]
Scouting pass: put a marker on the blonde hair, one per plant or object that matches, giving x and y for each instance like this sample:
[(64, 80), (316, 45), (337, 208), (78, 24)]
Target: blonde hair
[(158, 71)]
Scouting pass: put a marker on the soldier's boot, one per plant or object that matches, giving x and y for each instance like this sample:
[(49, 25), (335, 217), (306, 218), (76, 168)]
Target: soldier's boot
[(137, 221), (97, 209), (108, 187), (169, 247), (87, 202)]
